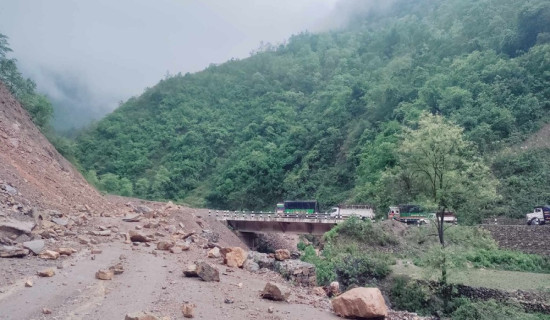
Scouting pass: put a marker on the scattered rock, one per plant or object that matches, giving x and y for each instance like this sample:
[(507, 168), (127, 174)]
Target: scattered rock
[(176, 249), (49, 255), (17, 226), (299, 272), (96, 251), (104, 274), (262, 259), (13, 252), (214, 253), (117, 268), (46, 273), (273, 292), (191, 271), (188, 310), (282, 254), (184, 246), (46, 311), (270, 310), (143, 209), (60, 221), (36, 246), (104, 233), (334, 289), (251, 266), (133, 218), (83, 240), (137, 237), (319, 291), (207, 272), (28, 283), (360, 303), (66, 251), (165, 245), (140, 316), (234, 257)]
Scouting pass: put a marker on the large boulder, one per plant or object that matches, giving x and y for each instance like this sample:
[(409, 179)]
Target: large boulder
[(360, 303), (234, 257), (49, 255), (36, 246), (282, 254), (251, 266), (273, 292), (214, 252), (207, 272), (190, 271), (13, 252), (262, 259)]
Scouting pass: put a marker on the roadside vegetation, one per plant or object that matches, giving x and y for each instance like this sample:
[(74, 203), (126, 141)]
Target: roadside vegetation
[(365, 253)]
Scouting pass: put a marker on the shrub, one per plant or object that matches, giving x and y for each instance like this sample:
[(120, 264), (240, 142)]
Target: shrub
[(509, 260), (360, 269), (323, 265), (361, 230), (410, 296)]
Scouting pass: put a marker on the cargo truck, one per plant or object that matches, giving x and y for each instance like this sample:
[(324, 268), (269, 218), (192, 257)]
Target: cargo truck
[(415, 214), (363, 211), (540, 215)]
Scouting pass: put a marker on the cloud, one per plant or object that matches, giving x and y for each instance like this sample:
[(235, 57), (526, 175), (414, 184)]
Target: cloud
[(89, 55)]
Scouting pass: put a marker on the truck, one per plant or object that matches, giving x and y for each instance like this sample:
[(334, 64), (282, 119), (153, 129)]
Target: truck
[(416, 214), (540, 215), (363, 211), (298, 207)]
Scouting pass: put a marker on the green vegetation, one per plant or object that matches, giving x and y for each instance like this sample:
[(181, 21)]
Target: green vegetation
[(493, 310), (23, 89), (323, 115), (344, 257)]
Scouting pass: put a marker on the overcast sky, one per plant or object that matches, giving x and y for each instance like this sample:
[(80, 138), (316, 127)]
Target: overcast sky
[(93, 54)]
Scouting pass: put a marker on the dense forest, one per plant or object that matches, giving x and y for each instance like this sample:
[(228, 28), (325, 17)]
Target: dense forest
[(323, 115)]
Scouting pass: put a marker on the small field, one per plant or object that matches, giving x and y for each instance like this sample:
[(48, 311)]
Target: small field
[(479, 277)]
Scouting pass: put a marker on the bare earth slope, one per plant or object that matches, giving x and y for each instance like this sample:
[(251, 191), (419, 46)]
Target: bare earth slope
[(30, 164)]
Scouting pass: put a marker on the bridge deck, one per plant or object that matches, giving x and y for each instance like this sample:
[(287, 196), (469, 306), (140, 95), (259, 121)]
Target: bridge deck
[(270, 222)]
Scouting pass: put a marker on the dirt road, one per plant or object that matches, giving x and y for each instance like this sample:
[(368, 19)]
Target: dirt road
[(150, 282)]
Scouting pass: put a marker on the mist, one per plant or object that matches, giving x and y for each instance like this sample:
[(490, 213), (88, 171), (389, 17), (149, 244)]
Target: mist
[(88, 56)]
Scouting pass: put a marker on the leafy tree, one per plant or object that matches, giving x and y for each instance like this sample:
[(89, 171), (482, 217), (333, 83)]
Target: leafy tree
[(438, 167), (442, 169)]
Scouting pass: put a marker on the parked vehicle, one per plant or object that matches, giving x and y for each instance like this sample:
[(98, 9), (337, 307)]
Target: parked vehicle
[(540, 215), (364, 211), (301, 207), (448, 217), (415, 214)]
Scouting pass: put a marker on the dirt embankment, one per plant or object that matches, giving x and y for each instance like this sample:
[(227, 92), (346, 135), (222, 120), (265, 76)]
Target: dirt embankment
[(41, 177)]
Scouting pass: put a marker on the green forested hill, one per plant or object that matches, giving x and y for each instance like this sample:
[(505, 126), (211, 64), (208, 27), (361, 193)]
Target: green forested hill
[(321, 115)]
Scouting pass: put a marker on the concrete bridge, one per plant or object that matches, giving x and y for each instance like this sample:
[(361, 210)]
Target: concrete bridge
[(316, 224)]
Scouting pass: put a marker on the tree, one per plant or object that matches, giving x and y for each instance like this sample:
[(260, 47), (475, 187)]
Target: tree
[(442, 170)]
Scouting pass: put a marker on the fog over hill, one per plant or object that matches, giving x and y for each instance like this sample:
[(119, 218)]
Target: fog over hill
[(89, 56)]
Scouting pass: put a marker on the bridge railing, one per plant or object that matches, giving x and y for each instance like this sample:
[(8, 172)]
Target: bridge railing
[(268, 216)]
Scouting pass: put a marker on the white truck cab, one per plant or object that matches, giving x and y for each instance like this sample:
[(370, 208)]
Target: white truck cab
[(540, 215)]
